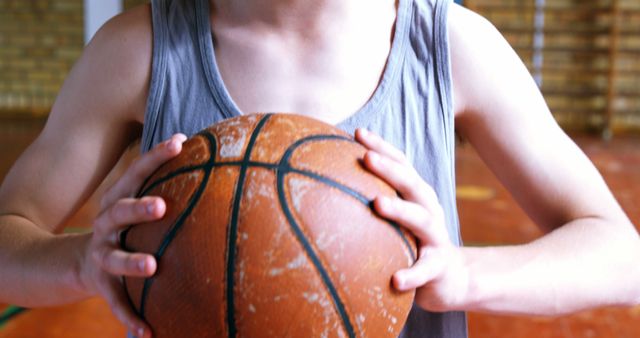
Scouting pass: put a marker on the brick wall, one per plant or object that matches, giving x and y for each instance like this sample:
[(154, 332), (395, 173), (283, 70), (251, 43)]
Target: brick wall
[(40, 40), (591, 57)]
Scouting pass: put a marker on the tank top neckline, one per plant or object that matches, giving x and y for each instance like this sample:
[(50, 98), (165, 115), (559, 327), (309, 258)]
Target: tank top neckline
[(229, 108)]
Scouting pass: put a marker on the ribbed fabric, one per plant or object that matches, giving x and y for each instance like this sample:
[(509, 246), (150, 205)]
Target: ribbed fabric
[(411, 108)]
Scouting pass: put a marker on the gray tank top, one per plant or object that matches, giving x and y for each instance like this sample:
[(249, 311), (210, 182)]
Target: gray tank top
[(411, 108)]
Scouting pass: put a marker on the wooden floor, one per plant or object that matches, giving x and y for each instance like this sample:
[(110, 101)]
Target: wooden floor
[(488, 216)]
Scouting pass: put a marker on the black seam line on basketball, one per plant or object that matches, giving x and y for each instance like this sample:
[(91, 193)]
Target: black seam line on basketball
[(145, 189), (169, 238), (10, 313), (285, 167), (173, 231), (233, 226), (284, 164), (324, 274), (185, 170), (170, 176), (362, 199)]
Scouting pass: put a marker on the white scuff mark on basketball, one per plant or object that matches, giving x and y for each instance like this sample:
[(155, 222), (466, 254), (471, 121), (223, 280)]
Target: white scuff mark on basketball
[(375, 298), (248, 194), (280, 297), (328, 313), (378, 292), (297, 262), (232, 146), (275, 272), (341, 333), (265, 190), (252, 308), (270, 256), (324, 239), (360, 319), (299, 188), (310, 297), (241, 272), (257, 188)]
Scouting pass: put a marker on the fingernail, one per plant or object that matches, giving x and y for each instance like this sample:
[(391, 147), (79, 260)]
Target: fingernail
[(151, 207), (142, 264), (140, 332), (364, 132), (373, 156)]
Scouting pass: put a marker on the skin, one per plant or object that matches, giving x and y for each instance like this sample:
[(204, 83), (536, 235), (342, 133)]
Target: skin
[(587, 259)]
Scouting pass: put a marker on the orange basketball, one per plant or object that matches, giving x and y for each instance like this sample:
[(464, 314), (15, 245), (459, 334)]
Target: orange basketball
[(269, 232)]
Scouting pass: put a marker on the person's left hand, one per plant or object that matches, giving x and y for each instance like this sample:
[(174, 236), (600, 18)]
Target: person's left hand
[(438, 275)]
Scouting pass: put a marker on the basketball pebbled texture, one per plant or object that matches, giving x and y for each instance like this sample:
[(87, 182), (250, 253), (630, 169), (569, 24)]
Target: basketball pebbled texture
[(269, 232)]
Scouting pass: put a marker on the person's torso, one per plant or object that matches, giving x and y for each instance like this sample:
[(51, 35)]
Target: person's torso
[(411, 107)]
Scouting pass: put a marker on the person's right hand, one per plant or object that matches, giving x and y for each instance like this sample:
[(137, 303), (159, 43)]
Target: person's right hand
[(105, 262)]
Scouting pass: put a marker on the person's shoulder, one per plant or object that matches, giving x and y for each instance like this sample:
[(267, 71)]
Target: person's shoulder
[(119, 57), (464, 23), (480, 58), (128, 35)]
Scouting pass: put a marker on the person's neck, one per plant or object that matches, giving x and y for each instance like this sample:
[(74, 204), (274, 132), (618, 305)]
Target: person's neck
[(306, 17)]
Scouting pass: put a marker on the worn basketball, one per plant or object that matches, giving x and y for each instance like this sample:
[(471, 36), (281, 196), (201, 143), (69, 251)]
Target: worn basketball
[(269, 232)]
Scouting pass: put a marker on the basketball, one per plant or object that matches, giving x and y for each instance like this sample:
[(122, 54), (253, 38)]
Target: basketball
[(269, 232)]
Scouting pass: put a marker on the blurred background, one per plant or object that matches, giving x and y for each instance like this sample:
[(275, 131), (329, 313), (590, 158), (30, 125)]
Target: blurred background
[(584, 55)]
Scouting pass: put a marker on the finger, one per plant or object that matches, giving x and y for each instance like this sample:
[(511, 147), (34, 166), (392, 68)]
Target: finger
[(374, 142), (121, 263), (129, 211), (402, 177), (414, 218), (421, 273), (141, 168), (114, 293)]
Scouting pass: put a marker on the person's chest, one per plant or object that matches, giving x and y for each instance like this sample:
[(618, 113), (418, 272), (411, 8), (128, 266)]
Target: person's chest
[(329, 81)]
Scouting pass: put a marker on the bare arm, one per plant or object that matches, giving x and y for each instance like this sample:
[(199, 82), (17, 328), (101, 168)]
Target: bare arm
[(96, 116), (590, 255)]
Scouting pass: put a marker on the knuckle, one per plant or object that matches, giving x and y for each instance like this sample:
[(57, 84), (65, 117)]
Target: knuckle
[(405, 187), (425, 224), (105, 201), (138, 177), (98, 224), (414, 180), (402, 158), (138, 171), (136, 162), (113, 215), (101, 257), (390, 206)]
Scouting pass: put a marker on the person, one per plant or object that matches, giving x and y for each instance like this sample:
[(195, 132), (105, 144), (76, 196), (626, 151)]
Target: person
[(414, 72)]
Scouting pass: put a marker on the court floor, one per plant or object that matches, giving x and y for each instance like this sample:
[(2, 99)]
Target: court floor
[(488, 216)]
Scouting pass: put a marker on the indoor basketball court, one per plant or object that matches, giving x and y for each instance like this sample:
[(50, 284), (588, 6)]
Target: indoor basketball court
[(584, 56)]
